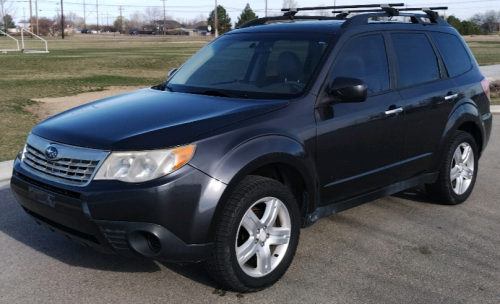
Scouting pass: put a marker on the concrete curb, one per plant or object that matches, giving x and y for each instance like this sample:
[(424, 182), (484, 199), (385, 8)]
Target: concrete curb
[(491, 72), (5, 173), (495, 109)]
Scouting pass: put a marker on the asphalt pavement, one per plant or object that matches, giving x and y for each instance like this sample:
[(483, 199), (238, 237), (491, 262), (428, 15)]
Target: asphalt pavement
[(399, 249)]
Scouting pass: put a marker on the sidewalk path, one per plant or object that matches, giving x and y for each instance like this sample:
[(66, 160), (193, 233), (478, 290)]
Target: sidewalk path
[(5, 173), (491, 72)]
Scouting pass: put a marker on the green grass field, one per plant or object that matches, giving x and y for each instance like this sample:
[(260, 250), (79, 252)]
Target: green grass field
[(90, 62), (78, 65)]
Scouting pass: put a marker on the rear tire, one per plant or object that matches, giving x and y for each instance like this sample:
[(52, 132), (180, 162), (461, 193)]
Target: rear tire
[(458, 171), (257, 236)]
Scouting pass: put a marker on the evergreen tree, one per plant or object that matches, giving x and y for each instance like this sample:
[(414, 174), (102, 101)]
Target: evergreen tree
[(223, 20), (246, 15), (455, 22)]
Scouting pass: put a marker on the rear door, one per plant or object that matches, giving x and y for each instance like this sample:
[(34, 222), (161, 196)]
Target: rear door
[(359, 145), (428, 95)]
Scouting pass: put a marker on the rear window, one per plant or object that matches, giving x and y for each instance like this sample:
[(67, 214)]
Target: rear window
[(417, 62), (453, 52)]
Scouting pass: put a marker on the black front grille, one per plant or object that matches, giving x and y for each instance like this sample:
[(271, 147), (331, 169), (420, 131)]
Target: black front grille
[(65, 192), (73, 171)]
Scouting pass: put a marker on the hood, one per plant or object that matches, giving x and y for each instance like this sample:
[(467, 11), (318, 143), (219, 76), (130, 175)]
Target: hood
[(148, 119)]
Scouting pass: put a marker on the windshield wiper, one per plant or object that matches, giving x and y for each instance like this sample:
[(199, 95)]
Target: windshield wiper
[(162, 87), (169, 88), (219, 93)]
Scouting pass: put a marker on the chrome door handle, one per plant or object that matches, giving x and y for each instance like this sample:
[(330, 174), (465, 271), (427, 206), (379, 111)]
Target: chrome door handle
[(449, 97), (394, 111)]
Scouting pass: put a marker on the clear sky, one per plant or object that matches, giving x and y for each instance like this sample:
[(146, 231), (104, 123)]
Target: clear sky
[(462, 9)]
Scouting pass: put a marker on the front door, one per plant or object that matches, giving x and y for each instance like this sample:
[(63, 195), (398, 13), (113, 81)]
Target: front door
[(359, 144)]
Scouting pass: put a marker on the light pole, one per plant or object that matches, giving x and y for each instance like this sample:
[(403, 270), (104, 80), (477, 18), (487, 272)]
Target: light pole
[(216, 23)]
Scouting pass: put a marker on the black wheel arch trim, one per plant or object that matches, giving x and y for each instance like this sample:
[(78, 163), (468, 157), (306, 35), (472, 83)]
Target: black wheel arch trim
[(256, 153), (464, 111)]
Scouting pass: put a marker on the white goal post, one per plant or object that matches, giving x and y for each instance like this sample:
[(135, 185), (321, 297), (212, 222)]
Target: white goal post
[(17, 42), (33, 51)]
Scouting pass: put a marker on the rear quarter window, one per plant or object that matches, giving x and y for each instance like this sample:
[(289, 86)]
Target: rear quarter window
[(417, 62), (452, 50)]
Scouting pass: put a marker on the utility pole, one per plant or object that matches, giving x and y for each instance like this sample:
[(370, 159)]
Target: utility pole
[(266, 8), (24, 18), (31, 20), (97, 8), (216, 23), (62, 20), (36, 8), (121, 19), (164, 18)]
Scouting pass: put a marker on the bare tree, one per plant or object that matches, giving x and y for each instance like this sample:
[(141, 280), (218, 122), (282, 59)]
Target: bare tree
[(137, 20), (7, 9), (290, 4), (324, 13), (487, 21), (200, 17), (153, 14), (491, 19), (73, 20)]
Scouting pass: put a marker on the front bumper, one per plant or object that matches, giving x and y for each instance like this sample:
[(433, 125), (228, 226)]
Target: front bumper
[(167, 219)]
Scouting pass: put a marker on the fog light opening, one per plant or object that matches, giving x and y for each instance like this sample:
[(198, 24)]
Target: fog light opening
[(145, 243), (153, 242)]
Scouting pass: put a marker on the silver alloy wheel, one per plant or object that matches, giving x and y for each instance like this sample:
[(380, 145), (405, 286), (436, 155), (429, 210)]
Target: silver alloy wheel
[(462, 168), (263, 237)]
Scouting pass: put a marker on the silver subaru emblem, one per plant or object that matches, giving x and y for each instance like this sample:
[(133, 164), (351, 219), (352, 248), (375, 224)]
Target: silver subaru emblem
[(51, 152)]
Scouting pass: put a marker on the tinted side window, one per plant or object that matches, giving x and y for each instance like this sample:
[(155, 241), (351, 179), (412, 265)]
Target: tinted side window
[(454, 55), (364, 58), (417, 62)]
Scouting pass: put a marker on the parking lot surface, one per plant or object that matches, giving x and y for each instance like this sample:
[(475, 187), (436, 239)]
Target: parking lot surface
[(399, 249)]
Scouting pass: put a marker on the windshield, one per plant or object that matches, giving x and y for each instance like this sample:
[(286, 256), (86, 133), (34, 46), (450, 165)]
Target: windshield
[(256, 65)]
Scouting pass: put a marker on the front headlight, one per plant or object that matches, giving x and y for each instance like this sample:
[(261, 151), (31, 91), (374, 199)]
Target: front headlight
[(141, 166)]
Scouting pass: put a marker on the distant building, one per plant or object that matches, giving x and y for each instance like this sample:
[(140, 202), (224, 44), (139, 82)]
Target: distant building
[(197, 29)]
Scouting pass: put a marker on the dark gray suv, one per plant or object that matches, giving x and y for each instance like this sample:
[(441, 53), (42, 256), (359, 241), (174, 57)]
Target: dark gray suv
[(267, 129)]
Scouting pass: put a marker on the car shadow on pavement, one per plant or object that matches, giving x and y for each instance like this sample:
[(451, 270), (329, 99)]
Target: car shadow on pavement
[(416, 194), (193, 271), (15, 223)]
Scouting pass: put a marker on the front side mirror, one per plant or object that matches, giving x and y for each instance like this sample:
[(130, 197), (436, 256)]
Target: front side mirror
[(349, 89), (172, 72)]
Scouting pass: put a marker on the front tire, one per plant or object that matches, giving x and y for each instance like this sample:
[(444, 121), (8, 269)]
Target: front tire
[(257, 236), (458, 171)]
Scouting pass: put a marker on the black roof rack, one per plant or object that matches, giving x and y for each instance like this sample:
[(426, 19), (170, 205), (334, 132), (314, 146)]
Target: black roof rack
[(377, 10), (316, 8), (262, 21)]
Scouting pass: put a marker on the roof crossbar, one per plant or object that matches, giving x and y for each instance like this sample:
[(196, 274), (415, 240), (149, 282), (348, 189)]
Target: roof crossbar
[(262, 21), (315, 8), (415, 18), (430, 11)]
